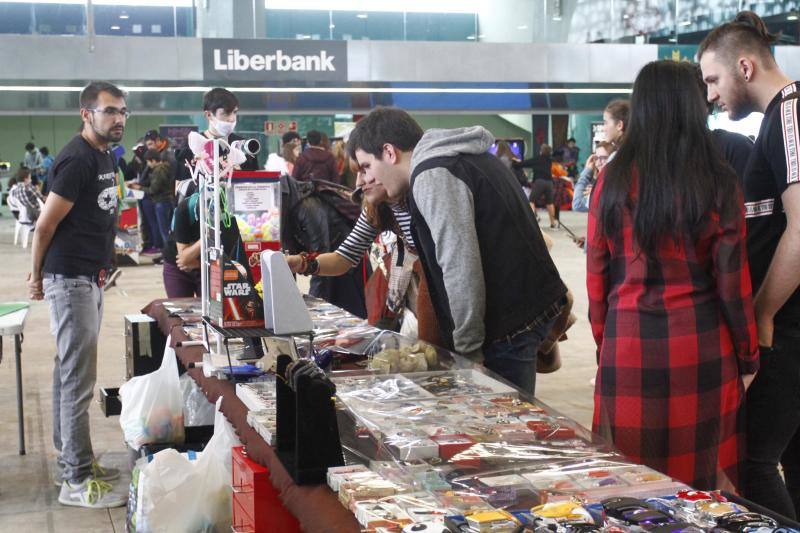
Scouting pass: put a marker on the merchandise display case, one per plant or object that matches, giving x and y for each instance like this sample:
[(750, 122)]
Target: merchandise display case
[(454, 447)]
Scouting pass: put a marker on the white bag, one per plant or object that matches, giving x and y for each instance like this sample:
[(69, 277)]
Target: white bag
[(181, 495), (197, 410), (215, 471), (166, 492), (152, 405)]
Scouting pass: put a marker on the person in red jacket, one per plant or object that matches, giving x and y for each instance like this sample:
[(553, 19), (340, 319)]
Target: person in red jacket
[(670, 300), (317, 162)]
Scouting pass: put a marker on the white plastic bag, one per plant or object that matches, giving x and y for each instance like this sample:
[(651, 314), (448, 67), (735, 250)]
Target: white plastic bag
[(178, 494), (215, 471), (152, 405), (167, 487), (197, 410)]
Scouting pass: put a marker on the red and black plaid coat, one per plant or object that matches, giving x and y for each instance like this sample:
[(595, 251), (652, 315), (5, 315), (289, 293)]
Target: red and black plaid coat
[(673, 337)]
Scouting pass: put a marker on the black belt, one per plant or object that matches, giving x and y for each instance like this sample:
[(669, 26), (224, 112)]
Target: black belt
[(99, 278), (547, 315)]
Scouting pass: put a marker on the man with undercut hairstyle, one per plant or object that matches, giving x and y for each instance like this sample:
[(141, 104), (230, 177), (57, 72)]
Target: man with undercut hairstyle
[(742, 77)]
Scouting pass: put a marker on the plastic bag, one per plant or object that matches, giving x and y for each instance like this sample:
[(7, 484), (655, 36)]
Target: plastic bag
[(215, 471), (166, 484), (200, 490), (152, 405), (197, 410)]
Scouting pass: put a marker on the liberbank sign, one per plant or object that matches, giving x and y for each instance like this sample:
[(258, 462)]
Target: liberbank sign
[(274, 60)]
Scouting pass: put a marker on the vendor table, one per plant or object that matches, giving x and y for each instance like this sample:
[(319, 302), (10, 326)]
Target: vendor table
[(499, 455), (13, 324), (316, 507)]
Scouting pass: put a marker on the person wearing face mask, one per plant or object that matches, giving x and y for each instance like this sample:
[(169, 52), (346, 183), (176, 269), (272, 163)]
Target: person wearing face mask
[(221, 109)]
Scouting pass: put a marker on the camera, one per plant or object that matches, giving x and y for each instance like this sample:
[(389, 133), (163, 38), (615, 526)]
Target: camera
[(248, 146)]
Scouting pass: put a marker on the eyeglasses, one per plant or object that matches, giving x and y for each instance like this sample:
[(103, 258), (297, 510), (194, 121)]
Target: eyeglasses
[(112, 112)]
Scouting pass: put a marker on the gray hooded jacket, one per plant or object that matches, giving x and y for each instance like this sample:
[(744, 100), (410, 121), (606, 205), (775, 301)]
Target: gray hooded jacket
[(447, 206)]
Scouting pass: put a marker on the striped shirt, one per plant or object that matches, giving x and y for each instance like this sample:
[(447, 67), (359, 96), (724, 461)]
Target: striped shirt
[(364, 234), (773, 167)]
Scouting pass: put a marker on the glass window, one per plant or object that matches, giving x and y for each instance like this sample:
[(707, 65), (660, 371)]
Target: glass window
[(60, 19), (355, 25), (290, 24), (440, 26)]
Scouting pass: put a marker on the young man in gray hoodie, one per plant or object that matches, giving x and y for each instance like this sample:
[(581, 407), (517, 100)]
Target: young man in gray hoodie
[(494, 288)]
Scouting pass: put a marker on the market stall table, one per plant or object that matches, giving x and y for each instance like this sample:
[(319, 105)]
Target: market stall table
[(316, 507), (12, 322)]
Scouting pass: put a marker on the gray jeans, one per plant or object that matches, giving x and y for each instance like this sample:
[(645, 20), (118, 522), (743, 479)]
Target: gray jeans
[(76, 309)]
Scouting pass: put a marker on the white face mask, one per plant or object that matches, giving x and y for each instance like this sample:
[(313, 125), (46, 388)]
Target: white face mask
[(223, 128)]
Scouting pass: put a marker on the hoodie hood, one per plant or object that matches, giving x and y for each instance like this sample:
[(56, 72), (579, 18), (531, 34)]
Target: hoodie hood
[(448, 143)]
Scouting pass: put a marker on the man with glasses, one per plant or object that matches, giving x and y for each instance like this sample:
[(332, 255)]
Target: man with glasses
[(72, 253)]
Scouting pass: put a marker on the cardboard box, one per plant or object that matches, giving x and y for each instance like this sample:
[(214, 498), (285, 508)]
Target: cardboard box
[(233, 302)]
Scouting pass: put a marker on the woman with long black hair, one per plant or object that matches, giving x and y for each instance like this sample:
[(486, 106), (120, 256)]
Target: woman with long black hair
[(670, 299)]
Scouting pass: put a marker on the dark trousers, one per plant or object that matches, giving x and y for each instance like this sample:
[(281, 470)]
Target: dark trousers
[(180, 284), (163, 211), (773, 426), (152, 233)]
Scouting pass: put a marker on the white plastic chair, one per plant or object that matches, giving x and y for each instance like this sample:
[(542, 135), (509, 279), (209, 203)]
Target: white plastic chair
[(24, 224)]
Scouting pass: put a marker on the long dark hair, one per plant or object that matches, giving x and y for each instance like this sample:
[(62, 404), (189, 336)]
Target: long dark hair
[(680, 175)]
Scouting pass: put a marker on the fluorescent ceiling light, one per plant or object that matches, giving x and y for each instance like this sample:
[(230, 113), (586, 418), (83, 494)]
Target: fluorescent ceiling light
[(362, 15), (522, 27), (328, 90), (114, 27), (131, 3), (124, 16), (793, 16), (408, 6)]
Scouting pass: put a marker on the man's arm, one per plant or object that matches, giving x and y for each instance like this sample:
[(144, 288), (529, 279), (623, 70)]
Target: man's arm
[(448, 208), (783, 277), (55, 209)]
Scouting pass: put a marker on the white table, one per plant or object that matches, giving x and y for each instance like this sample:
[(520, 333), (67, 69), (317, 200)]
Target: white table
[(13, 324)]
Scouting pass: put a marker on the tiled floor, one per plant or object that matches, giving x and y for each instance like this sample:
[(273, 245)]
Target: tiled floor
[(28, 498)]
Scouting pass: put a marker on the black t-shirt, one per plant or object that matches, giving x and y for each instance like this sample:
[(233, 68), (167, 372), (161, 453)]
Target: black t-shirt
[(186, 229), (735, 149), (83, 242), (773, 166), (541, 167)]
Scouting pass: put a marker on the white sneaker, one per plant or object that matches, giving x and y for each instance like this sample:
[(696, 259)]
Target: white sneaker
[(102, 473), (91, 493)]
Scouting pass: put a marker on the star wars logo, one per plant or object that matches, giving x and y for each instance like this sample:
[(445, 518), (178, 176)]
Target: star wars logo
[(237, 289)]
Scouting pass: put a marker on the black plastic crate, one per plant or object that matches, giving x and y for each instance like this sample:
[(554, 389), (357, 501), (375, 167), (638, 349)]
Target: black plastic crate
[(109, 400), (196, 439)]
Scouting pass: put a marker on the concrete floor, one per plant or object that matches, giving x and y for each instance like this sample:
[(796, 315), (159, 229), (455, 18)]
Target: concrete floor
[(28, 498)]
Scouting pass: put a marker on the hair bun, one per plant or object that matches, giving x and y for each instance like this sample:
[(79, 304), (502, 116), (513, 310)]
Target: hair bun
[(749, 18)]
